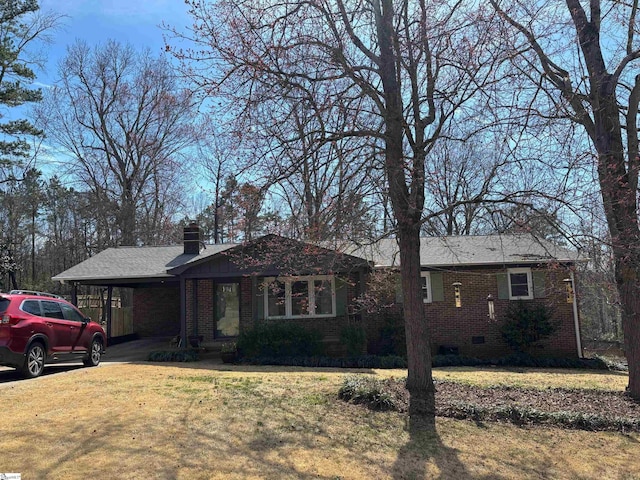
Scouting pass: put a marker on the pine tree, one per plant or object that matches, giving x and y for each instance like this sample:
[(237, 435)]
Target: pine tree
[(19, 26)]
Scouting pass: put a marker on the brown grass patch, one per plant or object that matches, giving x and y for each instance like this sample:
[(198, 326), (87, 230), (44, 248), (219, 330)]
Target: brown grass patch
[(200, 421)]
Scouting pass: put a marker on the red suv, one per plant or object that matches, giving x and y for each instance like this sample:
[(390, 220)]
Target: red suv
[(36, 327)]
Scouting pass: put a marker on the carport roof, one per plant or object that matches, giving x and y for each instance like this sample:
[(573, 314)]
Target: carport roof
[(135, 263)]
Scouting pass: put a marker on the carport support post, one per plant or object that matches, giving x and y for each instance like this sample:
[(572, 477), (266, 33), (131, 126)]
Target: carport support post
[(109, 302), (183, 312), (74, 293)]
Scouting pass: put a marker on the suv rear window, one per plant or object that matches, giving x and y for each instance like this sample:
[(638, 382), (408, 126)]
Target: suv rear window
[(4, 304), (32, 307)]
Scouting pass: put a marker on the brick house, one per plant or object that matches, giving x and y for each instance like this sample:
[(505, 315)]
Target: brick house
[(468, 283), (216, 291)]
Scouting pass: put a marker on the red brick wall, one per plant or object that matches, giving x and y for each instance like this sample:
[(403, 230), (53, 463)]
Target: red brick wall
[(205, 305), (451, 326), (246, 303), (156, 311)]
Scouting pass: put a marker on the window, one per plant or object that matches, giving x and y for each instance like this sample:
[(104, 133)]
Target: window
[(275, 294), (520, 284), (291, 297), (52, 310), (4, 304), (32, 307), (71, 313), (426, 287)]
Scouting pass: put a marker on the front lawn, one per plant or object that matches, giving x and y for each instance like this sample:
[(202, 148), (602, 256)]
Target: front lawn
[(201, 420)]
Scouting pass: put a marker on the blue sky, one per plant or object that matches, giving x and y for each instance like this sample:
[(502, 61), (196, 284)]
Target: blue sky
[(96, 21)]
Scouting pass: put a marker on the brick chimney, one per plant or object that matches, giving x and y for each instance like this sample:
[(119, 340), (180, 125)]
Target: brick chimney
[(192, 239)]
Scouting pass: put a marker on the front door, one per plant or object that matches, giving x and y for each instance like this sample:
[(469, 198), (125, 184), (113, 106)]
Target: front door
[(227, 312)]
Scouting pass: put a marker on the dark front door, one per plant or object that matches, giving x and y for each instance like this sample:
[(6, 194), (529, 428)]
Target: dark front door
[(227, 313)]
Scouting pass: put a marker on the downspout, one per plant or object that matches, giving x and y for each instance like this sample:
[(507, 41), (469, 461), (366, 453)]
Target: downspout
[(575, 316)]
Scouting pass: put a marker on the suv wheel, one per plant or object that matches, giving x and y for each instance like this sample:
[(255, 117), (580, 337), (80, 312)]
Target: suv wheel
[(95, 353), (34, 361)]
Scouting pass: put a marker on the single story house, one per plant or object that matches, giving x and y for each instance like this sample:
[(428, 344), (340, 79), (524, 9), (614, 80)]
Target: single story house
[(216, 291)]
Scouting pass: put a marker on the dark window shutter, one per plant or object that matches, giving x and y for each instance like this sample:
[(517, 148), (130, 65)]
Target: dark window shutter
[(539, 287), (437, 287), (259, 293), (341, 296), (503, 286)]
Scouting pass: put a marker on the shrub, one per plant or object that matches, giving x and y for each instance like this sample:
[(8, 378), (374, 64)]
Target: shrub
[(394, 361), (229, 347), (353, 338), (525, 325), (173, 356), (391, 337), (369, 391), (280, 339)]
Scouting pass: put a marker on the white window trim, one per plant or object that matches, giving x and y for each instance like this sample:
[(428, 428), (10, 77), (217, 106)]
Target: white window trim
[(429, 298), (529, 283), (311, 292)]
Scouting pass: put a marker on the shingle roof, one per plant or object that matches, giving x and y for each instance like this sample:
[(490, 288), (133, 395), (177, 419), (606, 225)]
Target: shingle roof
[(135, 263), (139, 263), (470, 250)]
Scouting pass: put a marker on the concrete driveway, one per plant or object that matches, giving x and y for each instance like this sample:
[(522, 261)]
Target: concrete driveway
[(128, 352), (135, 350)]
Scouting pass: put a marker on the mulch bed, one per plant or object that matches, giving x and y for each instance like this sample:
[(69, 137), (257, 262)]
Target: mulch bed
[(569, 408)]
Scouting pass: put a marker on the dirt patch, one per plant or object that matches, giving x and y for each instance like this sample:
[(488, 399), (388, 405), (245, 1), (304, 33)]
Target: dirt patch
[(574, 408)]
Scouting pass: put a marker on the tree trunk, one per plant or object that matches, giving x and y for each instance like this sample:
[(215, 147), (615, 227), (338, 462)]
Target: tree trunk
[(422, 406), (628, 287), (407, 202), (618, 186)]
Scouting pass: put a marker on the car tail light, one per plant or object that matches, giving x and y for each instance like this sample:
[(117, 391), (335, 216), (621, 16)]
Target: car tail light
[(10, 320)]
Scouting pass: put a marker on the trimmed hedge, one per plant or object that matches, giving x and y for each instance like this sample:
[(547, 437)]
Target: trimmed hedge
[(280, 339), (365, 361), (394, 361), (173, 356), (521, 360)]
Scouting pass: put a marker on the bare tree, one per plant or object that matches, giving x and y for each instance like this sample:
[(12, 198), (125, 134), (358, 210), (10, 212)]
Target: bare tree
[(218, 157), (405, 69), (460, 178), (327, 183), (125, 121), (579, 61)]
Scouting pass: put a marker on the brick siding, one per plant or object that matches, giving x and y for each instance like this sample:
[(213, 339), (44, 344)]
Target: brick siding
[(456, 327), (156, 311)]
